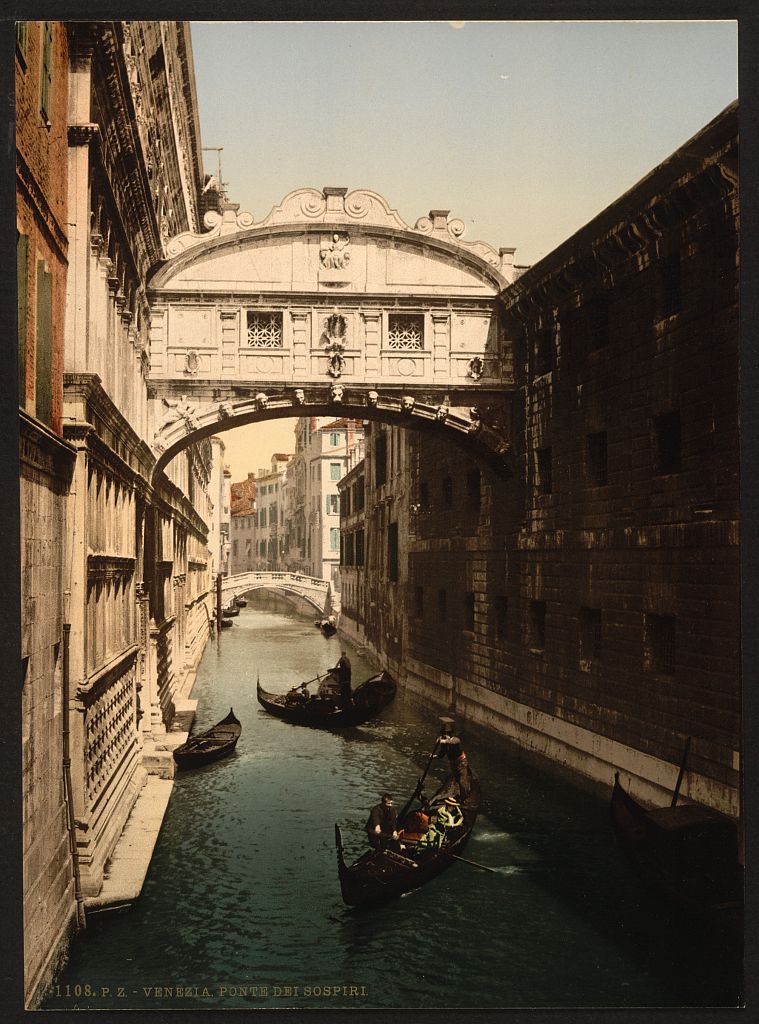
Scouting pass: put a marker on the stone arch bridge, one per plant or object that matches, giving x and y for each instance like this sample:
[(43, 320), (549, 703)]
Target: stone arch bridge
[(312, 589), (331, 305)]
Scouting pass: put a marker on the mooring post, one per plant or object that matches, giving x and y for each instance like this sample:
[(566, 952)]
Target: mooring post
[(218, 604)]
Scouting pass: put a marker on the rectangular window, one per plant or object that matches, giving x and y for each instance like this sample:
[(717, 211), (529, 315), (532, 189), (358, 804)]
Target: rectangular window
[(333, 504), (334, 470), (22, 267), (349, 549), (46, 71), (500, 612), (359, 547), (473, 489), (671, 300), (442, 605), (597, 459), (264, 329), (359, 494), (447, 492), (542, 352), (345, 504), (334, 539), (405, 331), (544, 471), (44, 347), (419, 602), (668, 443), (590, 637), (334, 440), (392, 552), (469, 610), (659, 644), (598, 323), (424, 495), (380, 460), (537, 625), (272, 515), (234, 548)]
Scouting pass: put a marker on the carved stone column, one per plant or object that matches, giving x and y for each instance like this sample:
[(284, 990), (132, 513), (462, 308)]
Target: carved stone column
[(373, 341), (300, 322), (230, 341), (441, 345)]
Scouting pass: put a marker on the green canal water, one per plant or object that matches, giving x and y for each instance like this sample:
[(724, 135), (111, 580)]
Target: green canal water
[(241, 907)]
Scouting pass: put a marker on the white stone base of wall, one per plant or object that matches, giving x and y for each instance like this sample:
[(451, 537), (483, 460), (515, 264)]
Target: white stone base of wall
[(579, 750)]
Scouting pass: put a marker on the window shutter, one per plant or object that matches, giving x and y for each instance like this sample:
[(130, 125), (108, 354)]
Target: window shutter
[(44, 353), (22, 251)]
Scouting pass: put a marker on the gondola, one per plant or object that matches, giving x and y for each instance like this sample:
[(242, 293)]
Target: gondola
[(226, 623), (320, 710), (328, 628), (230, 612), (214, 743), (381, 875), (687, 852), (241, 602)]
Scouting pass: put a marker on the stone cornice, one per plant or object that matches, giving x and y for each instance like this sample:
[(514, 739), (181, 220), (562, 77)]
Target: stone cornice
[(41, 449), (26, 180), (636, 226)]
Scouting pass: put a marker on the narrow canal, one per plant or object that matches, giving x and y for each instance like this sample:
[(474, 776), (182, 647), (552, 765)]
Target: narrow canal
[(242, 904)]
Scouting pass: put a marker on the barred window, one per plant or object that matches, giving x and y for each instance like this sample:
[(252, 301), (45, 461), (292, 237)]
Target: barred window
[(659, 644), (264, 329), (590, 637), (405, 331)]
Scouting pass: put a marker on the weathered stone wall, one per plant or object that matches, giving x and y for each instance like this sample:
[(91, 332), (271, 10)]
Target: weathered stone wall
[(589, 607)]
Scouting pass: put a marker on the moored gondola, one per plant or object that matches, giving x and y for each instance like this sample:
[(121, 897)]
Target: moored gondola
[(687, 852), (321, 710), (214, 743), (241, 602), (226, 623), (230, 612), (327, 626), (380, 875)]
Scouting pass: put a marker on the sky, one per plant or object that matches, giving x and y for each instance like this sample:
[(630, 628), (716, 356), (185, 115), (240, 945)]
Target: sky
[(524, 130)]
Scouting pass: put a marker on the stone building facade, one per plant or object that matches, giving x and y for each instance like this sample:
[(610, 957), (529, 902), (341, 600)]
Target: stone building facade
[(242, 554), (221, 497), (46, 465), (591, 597), (116, 552)]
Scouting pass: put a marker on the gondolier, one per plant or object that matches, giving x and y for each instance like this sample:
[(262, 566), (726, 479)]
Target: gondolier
[(450, 747), (381, 823), (343, 670)]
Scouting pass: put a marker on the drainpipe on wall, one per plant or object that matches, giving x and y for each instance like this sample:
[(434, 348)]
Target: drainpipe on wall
[(81, 919)]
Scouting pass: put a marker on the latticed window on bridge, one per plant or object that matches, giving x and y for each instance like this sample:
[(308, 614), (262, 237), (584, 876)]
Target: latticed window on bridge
[(405, 331), (264, 329)]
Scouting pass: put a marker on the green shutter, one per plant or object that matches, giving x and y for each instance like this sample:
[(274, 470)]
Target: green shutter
[(22, 253), (44, 352)]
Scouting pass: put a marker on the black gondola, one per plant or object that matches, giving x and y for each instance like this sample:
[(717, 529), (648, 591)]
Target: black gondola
[(230, 612), (241, 602), (321, 711), (381, 875), (226, 623), (327, 627), (688, 852), (219, 741)]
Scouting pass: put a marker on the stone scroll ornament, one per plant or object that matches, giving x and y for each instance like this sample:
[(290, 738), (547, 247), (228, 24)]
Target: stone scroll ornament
[(476, 368), (335, 329), (336, 392)]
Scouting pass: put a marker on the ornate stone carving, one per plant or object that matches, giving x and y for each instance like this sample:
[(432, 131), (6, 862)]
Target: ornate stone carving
[(441, 413), (336, 393), (181, 410), (407, 403), (335, 254), (299, 397), (476, 423), (261, 400), (476, 368), (372, 399), (225, 410), (191, 362)]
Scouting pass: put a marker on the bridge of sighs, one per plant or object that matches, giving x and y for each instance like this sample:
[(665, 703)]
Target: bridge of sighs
[(331, 305)]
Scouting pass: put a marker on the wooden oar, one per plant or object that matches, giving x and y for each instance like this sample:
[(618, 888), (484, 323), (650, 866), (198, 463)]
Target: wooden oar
[(474, 863)]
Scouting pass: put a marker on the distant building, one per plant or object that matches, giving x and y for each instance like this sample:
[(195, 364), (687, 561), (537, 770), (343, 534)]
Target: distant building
[(324, 450), (269, 532), (218, 538), (242, 535)]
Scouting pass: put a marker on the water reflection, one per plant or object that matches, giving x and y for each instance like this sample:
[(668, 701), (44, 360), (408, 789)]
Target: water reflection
[(243, 887)]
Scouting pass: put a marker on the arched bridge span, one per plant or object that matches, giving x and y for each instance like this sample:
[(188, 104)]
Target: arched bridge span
[(331, 305), (312, 589)]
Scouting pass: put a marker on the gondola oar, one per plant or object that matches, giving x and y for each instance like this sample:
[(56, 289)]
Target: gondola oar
[(474, 863), (420, 783)]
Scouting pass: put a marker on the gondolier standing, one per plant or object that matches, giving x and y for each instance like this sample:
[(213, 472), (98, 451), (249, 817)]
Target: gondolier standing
[(450, 747), (343, 669), (382, 822)]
